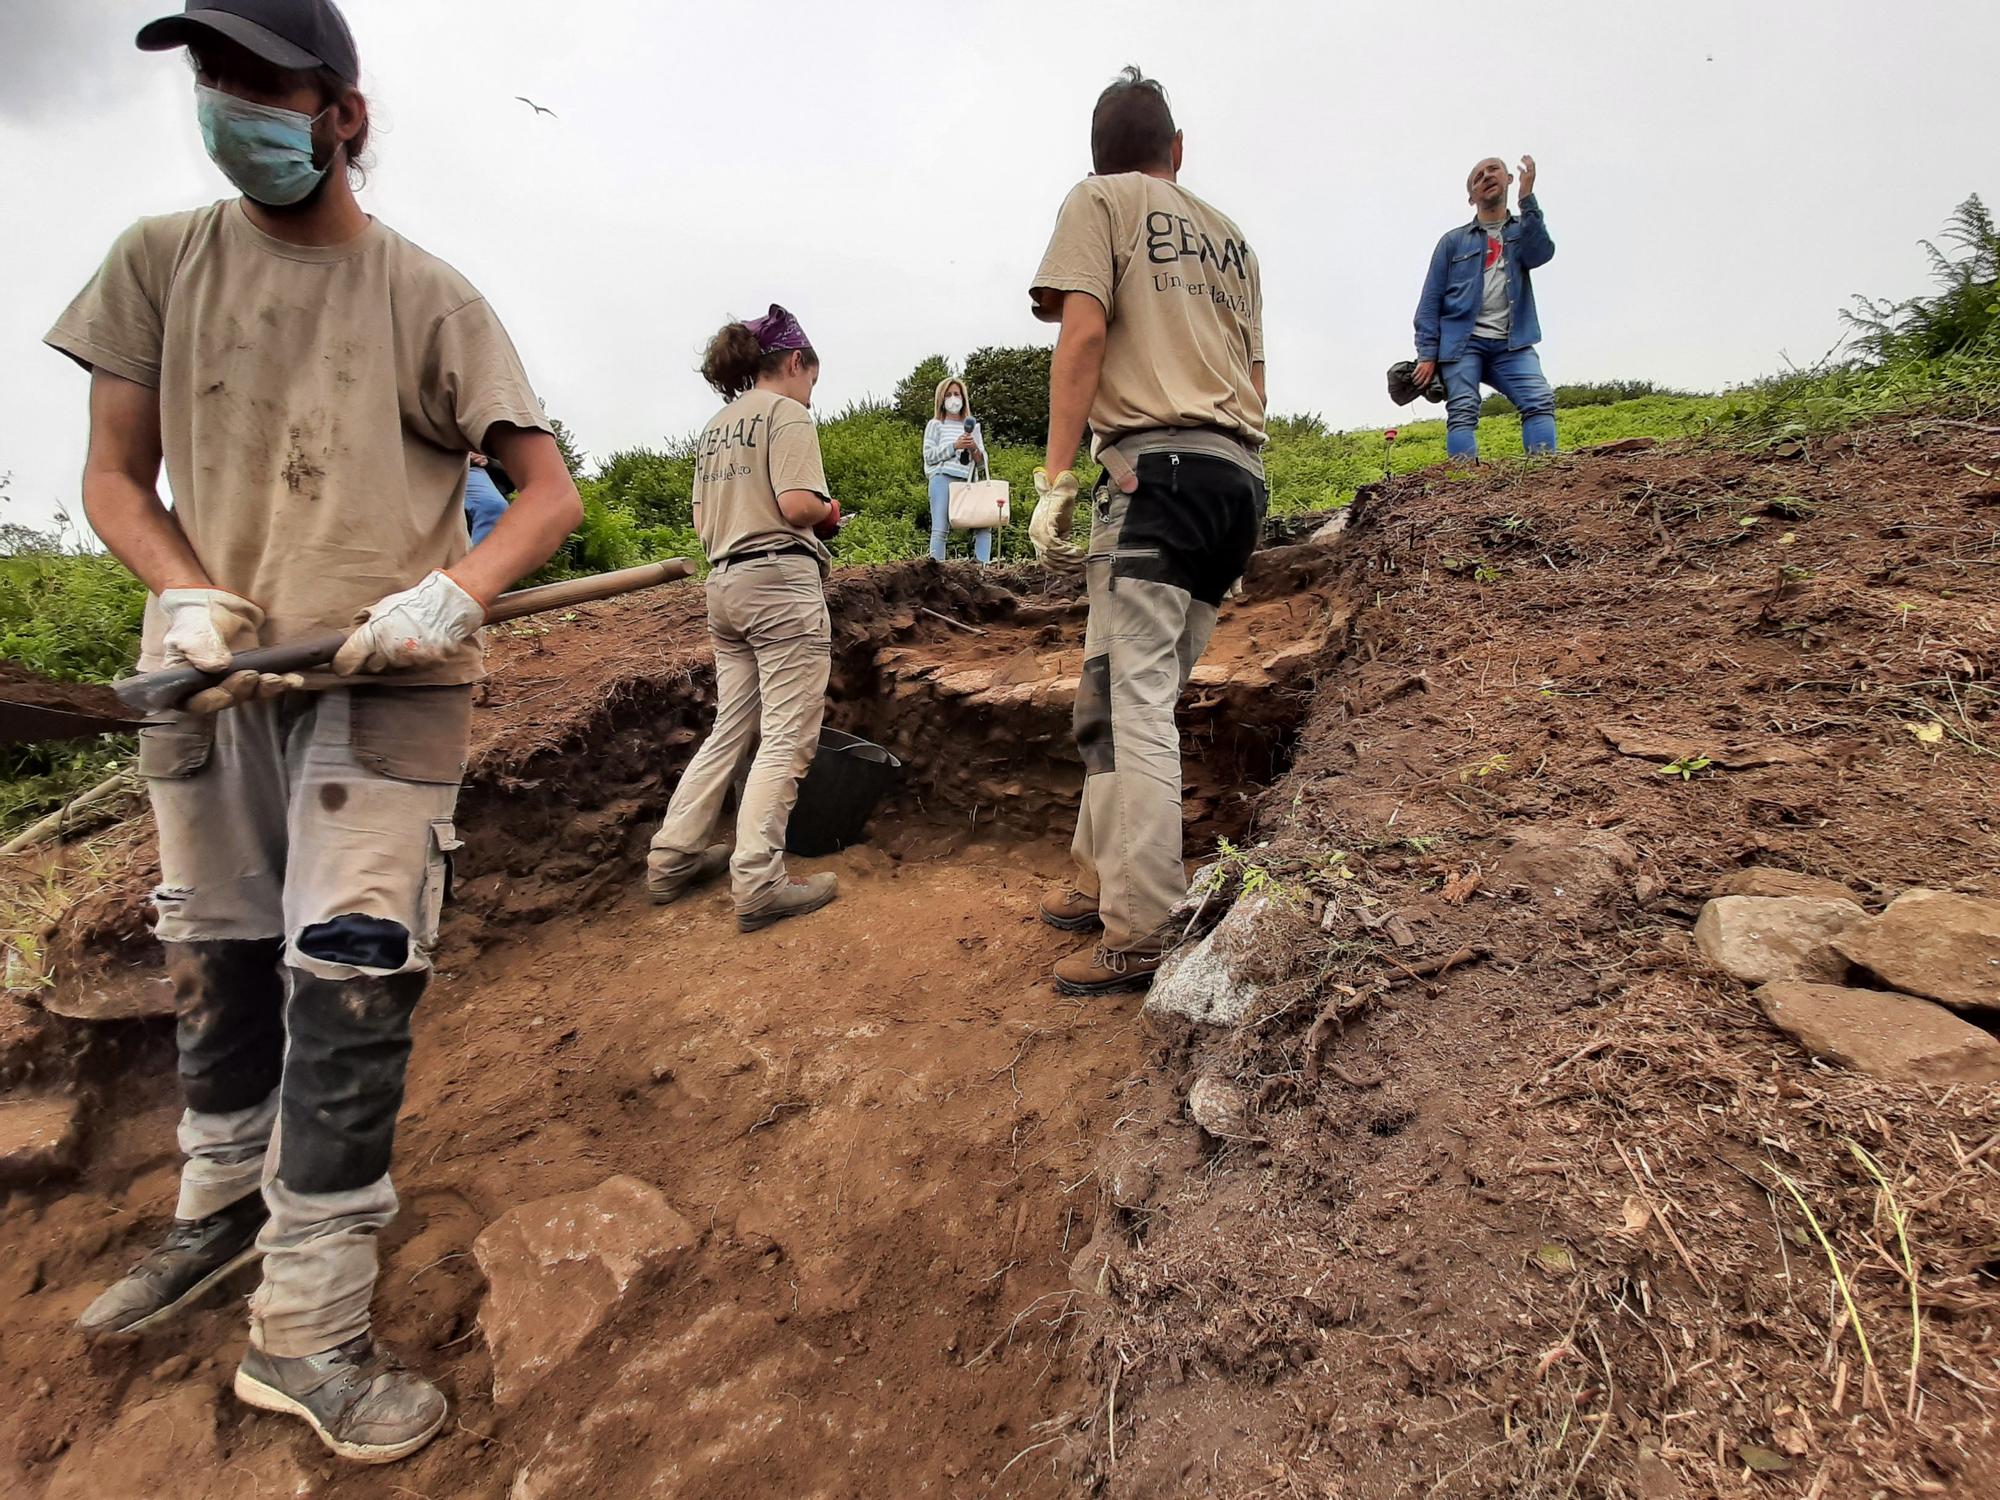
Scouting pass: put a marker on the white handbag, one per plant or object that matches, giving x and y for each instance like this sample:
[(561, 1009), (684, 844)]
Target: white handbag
[(979, 504)]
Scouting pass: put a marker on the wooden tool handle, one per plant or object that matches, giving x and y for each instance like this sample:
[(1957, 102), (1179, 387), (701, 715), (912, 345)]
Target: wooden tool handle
[(152, 692)]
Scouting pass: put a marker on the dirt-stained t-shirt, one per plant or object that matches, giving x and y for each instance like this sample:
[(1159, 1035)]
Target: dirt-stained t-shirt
[(1185, 303), (752, 451), (316, 407)]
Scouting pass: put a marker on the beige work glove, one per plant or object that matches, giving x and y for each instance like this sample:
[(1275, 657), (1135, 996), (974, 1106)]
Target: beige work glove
[(412, 628), (206, 627), (1055, 508)]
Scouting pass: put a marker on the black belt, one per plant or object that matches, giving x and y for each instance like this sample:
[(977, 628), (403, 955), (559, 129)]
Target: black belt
[(789, 551)]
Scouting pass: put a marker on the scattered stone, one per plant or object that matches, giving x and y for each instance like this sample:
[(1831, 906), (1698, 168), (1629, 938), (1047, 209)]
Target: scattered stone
[(1205, 982), (1219, 1107), (1579, 872), (1882, 1034), (40, 1139), (1937, 944), (173, 1367), (1761, 880), (1761, 939), (164, 1446), (559, 1267), (1621, 445), (1330, 533)]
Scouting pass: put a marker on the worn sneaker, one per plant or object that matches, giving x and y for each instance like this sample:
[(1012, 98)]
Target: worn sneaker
[(1105, 970), (196, 1255), (792, 899), (358, 1397), (1071, 911), (668, 888)]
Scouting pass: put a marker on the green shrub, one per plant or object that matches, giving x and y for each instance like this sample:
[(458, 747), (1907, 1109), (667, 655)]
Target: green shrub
[(915, 400), (1010, 393), (1587, 393), (1959, 316)]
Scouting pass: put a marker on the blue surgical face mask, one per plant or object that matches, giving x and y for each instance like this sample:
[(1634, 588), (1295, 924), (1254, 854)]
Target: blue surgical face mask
[(266, 152)]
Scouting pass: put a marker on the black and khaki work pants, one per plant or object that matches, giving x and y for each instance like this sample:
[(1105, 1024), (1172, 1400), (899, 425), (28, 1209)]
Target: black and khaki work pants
[(1161, 558), (305, 848)]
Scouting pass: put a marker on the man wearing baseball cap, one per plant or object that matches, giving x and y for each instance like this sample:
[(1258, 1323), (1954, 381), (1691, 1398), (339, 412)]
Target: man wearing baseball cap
[(311, 382)]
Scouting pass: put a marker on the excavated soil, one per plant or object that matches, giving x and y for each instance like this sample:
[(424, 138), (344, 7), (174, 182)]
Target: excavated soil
[(880, 1119), (1502, 1208)]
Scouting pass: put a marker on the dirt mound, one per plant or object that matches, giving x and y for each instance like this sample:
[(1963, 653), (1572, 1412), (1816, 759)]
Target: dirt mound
[(1527, 1228)]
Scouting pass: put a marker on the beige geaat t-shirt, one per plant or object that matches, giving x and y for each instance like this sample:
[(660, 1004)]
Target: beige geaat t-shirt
[(1181, 289), (752, 451), (316, 408)]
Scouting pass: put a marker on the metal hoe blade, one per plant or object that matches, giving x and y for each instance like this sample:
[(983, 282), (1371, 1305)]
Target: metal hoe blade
[(27, 723)]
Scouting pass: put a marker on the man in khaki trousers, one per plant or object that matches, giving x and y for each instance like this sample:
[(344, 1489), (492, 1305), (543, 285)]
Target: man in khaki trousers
[(1162, 352)]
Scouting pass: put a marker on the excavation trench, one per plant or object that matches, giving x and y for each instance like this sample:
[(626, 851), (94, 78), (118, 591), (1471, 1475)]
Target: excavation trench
[(880, 1121)]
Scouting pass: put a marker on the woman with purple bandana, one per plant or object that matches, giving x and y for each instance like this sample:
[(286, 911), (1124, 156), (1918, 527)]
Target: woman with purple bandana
[(762, 509)]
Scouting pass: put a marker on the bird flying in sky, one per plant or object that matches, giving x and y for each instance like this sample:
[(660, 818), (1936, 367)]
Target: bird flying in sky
[(537, 108)]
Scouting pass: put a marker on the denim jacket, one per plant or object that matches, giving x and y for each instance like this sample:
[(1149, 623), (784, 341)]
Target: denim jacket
[(1449, 306)]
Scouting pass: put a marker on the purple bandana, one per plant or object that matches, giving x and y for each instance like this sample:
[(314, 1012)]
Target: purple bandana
[(778, 329)]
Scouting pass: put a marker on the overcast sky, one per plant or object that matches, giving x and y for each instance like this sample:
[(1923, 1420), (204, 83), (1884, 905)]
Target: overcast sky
[(1719, 176)]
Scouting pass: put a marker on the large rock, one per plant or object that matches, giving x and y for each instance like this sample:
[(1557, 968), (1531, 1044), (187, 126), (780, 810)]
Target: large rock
[(560, 1267), (1760, 880), (1205, 982), (1943, 946), (1764, 939), (1886, 1035), (39, 1139), (169, 1445)]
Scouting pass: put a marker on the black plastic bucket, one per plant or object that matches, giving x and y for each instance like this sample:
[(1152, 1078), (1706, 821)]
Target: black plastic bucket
[(848, 778)]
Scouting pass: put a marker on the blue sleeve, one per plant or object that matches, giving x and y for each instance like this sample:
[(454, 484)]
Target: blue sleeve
[(484, 505), (1430, 305), (1534, 247)]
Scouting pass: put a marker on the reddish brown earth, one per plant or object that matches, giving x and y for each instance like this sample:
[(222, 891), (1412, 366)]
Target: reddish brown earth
[(955, 1235)]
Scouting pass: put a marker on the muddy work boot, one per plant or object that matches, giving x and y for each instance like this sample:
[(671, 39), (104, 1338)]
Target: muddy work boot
[(667, 887), (358, 1397), (792, 899), (1071, 911), (1105, 971), (195, 1256)]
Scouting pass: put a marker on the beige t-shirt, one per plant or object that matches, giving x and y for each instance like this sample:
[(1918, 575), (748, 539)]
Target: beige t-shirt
[(1184, 299), (316, 408), (752, 451)]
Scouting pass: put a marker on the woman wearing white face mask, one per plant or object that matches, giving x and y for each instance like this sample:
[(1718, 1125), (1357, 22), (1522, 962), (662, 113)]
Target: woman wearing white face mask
[(954, 446)]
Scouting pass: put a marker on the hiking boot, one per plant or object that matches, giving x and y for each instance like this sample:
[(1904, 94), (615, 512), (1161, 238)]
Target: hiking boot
[(705, 866), (196, 1255), (1105, 971), (1072, 911), (792, 899), (358, 1397)]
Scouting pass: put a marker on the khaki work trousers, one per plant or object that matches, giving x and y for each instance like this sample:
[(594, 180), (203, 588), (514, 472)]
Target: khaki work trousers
[(1160, 560), (305, 847), (773, 645)]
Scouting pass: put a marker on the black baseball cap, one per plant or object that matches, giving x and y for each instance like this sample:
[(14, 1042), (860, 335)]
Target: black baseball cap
[(294, 34)]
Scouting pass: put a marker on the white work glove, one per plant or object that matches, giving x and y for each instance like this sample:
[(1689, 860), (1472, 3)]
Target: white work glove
[(205, 628), (411, 629), (1055, 506)]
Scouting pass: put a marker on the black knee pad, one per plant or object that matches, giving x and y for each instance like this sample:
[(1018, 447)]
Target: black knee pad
[(344, 1064), (353, 938), (229, 1009)]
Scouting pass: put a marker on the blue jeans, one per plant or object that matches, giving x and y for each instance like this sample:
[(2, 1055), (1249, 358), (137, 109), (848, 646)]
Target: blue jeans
[(982, 541), (1515, 374)]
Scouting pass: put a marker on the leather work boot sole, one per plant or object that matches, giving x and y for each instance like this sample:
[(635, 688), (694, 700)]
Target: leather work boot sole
[(1071, 911), (794, 899), (196, 1255), (358, 1398), (711, 862), (1106, 971)]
